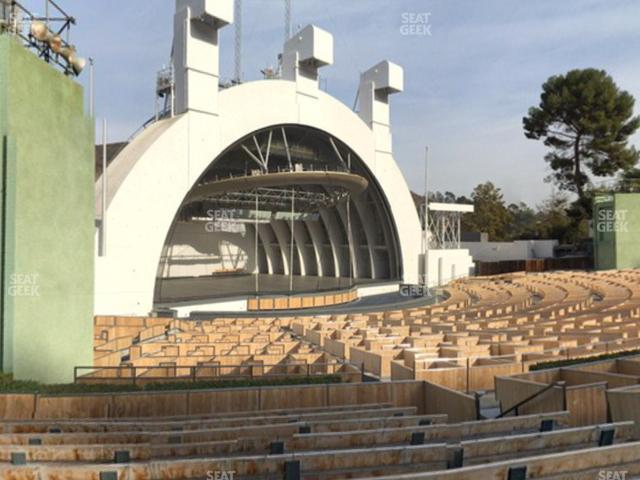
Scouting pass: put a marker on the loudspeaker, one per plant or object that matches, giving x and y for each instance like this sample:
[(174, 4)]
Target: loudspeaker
[(547, 425), (606, 437), (292, 470), (276, 448), (517, 473), (417, 438)]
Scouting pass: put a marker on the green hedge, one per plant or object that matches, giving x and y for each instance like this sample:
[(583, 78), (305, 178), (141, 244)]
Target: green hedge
[(577, 361), (9, 385)]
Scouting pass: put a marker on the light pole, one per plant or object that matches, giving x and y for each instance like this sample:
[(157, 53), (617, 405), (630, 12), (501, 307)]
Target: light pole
[(425, 230)]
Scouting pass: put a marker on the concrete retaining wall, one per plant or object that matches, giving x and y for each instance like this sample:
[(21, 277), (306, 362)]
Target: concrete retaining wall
[(427, 398), (624, 404), (459, 407)]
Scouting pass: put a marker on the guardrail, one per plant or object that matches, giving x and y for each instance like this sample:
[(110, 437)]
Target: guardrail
[(468, 364), (290, 302), (521, 403), (132, 374), (577, 262)]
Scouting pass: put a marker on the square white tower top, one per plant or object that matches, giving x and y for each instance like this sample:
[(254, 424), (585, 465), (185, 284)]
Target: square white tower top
[(313, 45), (386, 76), (216, 13)]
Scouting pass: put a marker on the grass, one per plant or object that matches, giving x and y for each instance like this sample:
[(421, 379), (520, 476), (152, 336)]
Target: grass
[(577, 361), (9, 385)]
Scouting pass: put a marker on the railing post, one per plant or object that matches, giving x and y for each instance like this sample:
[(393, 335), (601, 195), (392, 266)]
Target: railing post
[(467, 374), (193, 373), (564, 394)]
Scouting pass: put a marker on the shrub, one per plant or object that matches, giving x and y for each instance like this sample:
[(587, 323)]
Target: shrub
[(9, 385), (576, 361)]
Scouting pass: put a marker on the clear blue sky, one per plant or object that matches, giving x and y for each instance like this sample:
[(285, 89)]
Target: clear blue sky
[(468, 84)]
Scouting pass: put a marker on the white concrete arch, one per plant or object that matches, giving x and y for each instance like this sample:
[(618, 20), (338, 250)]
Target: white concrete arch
[(315, 236), (306, 248), (157, 170), (331, 224), (282, 234), (355, 254), (368, 223), (266, 238)]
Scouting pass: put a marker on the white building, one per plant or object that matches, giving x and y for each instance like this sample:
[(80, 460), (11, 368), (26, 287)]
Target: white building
[(485, 251), (269, 186)]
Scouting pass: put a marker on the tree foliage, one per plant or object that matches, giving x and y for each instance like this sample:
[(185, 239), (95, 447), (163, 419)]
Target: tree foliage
[(586, 121), (490, 215), (517, 221), (523, 222), (552, 220), (629, 181)]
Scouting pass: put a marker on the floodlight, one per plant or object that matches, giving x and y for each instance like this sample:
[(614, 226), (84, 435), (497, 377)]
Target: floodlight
[(41, 32)]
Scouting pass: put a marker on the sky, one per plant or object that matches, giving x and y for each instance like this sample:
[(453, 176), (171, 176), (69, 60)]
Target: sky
[(471, 73)]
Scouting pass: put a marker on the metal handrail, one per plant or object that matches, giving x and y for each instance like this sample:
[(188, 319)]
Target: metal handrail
[(531, 397), (310, 370)]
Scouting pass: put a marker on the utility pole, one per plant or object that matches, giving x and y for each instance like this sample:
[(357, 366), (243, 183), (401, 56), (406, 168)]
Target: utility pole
[(238, 41), (287, 20), (425, 230), (349, 236), (91, 88), (103, 213), (293, 226), (256, 225)]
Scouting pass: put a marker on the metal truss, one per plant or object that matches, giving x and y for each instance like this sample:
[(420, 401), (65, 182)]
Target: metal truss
[(444, 228), (280, 199), (289, 198), (260, 154)]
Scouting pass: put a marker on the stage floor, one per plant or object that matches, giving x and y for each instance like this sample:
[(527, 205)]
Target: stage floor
[(175, 290), (373, 303)]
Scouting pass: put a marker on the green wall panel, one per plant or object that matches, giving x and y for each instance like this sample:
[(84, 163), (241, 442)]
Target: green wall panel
[(617, 231), (628, 230), (603, 234), (49, 219)]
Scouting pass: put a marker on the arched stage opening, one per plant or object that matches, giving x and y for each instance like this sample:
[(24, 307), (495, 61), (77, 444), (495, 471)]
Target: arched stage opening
[(285, 209)]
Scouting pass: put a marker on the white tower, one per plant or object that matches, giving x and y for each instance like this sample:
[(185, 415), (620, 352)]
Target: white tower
[(196, 60)]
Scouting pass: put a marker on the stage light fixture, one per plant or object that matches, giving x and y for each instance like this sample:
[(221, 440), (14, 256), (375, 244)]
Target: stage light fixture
[(41, 32)]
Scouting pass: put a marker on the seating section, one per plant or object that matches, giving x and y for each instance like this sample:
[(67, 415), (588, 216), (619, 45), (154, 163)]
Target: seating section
[(409, 429), (349, 441), (618, 461), (156, 349), (485, 327), (488, 327)]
